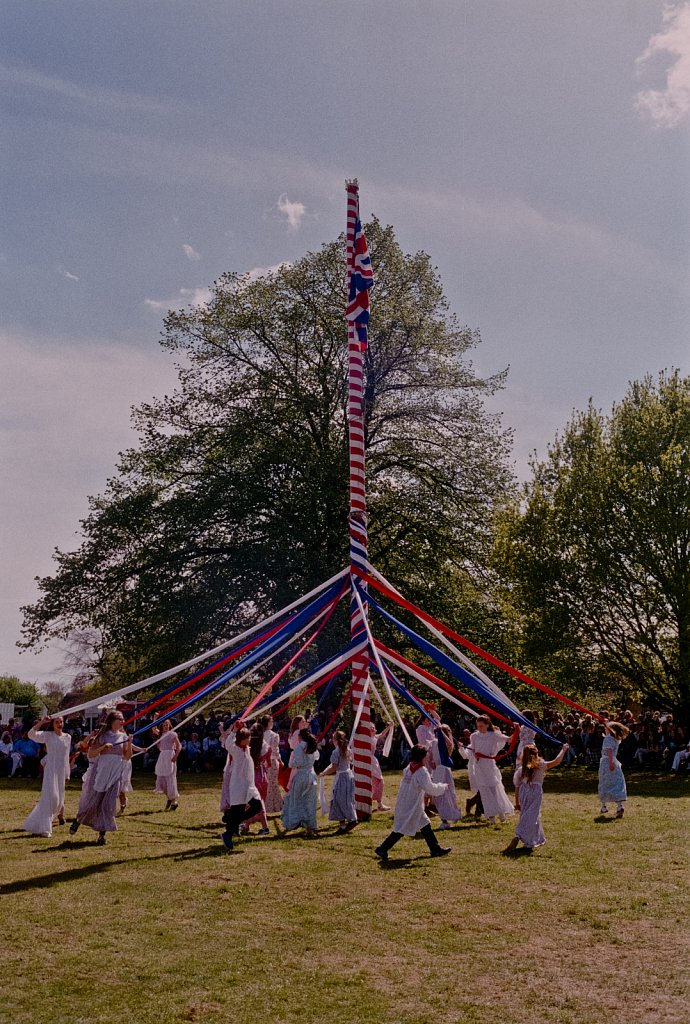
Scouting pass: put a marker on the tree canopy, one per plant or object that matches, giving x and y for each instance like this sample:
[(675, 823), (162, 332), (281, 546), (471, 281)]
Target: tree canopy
[(24, 695), (236, 497), (598, 550)]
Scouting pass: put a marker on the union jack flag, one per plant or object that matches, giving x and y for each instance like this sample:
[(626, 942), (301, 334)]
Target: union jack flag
[(361, 280)]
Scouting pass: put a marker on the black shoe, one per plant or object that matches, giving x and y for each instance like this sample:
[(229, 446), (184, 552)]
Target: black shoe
[(101, 839), (227, 840), (381, 854), (440, 851), (74, 828)]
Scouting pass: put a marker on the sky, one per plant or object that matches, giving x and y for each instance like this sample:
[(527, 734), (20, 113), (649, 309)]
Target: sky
[(539, 152)]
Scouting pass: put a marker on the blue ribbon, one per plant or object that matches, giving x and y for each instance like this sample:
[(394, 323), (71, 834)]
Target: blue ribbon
[(266, 647), (458, 672)]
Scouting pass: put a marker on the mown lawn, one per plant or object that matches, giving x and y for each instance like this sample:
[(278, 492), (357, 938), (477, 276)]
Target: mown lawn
[(162, 925)]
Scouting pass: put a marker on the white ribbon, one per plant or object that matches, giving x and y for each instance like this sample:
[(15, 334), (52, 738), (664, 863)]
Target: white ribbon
[(117, 694)]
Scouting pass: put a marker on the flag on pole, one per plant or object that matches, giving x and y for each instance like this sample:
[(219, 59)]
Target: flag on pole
[(361, 280)]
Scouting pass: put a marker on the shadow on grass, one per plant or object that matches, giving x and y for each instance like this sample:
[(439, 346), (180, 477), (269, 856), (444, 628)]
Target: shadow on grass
[(522, 851), (68, 844), (402, 863), (217, 850), (46, 881), (603, 819)]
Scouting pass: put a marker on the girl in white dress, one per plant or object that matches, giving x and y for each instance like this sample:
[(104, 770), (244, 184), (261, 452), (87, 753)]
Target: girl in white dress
[(485, 745), (409, 817), (55, 774), (243, 795), (441, 754), (110, 748), (169, 748), (227, 741)]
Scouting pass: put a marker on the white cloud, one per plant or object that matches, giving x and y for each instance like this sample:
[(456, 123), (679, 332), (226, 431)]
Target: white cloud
[(185, 297), (66, 274), (191, 253), (29, 78), (256, 272), (293, 212), (668, 106)]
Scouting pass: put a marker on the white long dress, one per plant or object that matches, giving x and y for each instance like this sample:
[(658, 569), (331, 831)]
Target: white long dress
[(242, 784), (166, 768), (409, 815), (55, 774), (446, 804), (229, 743), (99, 805), (487, 776)]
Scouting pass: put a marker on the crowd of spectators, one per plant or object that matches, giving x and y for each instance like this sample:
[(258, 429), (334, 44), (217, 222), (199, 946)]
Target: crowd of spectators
[(655, 740)]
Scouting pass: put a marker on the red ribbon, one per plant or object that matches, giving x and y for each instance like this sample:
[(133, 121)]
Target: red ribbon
[(447, 631), (440, 682), (506, 753)]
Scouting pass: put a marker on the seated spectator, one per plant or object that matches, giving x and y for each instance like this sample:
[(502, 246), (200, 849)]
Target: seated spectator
[(6, 747), (30, 756), (192, 751)]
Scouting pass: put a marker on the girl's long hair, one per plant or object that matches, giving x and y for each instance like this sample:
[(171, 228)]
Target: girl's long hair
[(294, 725), (340, 740), (448, 736), (309, 740), (106, 727), (256, 742), (530, 761)]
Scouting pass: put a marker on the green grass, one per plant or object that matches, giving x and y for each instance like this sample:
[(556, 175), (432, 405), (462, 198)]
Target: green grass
[(162, 925)]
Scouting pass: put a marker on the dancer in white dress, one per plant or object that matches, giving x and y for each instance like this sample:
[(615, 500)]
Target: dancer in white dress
[(55, 774), (486, 743), (169, 747), (441, 755), (245, 800), (227, 740), (111, 747), (409, 817)]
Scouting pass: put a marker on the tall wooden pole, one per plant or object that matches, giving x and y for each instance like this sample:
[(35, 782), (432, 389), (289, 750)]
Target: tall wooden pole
[(357, 524)]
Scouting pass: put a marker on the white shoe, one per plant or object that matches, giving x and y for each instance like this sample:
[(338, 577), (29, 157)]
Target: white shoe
[(443, 826)]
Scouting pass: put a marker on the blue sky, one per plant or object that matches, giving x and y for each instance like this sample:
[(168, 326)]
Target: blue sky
[(539, 153)]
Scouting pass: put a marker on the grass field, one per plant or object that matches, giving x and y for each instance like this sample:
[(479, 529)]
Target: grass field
[(162, 925)]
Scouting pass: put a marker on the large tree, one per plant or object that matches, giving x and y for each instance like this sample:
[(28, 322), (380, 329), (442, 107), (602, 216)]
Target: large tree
[(235, 499), (598, 550)]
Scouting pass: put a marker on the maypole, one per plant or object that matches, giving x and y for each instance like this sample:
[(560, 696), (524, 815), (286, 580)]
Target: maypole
[(357, 317)]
